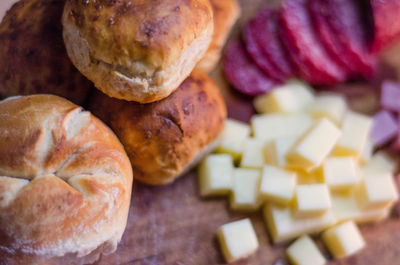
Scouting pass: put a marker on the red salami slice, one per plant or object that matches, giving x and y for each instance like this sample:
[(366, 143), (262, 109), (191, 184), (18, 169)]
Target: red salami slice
[(386, 22), (329, 40), (266, 26), (243, 73), (344, 18), (255, 52), (313, 62)]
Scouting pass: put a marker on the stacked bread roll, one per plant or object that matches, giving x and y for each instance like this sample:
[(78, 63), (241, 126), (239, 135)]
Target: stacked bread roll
[(65, 178), (139, 53)]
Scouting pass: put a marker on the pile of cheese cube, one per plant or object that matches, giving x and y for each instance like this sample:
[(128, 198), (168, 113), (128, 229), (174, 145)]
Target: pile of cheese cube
[(307, 161)]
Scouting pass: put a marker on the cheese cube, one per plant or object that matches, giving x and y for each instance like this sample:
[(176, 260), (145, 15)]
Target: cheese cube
[(253, 155), (276, 150), (343, 240), (282, 226), (304, 251), (366, 154), (237, 239), (291, 97), (314, 146), (376, 192), (311, 200), (233, 138), (340, 173), (379, 164), (245, 194), (346, 208), (272, 126), (215, 175), (331, 106), (355, 131), (277, 185)]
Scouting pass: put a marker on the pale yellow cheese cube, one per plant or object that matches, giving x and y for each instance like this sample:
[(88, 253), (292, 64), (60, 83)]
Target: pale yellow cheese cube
[(291, 97), (314, 146), (343, 240), (379, 164), (275, 151), (282, 226), (237, 239), (304, 251), (331, 106), (346, 208), (233, 138), (376, 192), (340, 173), (245, 195), (311, 200), (272, 126), (277, 185), (215, 174), (355, 131), (367, 152), (253, 155)]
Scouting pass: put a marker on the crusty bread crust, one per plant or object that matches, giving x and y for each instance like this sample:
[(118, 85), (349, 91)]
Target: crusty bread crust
[(33, 59), (138, 50), (163, 138), (65, 181), (226, 12)]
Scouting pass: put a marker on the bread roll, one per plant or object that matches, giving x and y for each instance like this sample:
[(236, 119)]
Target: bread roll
[(226, 12), (164, 139), (33, 58), (137, 50), (65, 181)]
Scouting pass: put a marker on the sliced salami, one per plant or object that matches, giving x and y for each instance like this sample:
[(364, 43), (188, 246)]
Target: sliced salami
[(386, 21), (344, 18), (313, 62), (243, 73), (266, 26), (329, 40), (255, 52)]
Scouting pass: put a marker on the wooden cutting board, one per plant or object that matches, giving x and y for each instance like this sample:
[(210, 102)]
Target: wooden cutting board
[(172, 225)]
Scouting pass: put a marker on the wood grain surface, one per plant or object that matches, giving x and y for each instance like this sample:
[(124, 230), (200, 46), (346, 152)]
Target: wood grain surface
[(172, 225)]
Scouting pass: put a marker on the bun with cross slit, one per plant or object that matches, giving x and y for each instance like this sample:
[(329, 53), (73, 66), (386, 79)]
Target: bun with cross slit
[(65, 181), (137, 50)]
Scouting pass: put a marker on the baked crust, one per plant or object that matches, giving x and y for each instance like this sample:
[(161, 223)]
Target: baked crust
[(163, 138), (137, 50), (65, 181), (33, 59), (226, 12)]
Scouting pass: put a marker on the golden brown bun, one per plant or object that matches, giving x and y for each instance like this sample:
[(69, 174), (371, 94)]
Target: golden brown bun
[(65, 181), (226, 12), (137, 50), (163, 138), (33, 59)]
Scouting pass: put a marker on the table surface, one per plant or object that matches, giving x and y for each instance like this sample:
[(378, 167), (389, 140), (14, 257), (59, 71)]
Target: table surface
[(172, 225)]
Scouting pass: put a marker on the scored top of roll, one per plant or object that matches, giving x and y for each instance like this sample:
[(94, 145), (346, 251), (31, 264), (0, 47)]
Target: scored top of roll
[(65, 181)]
